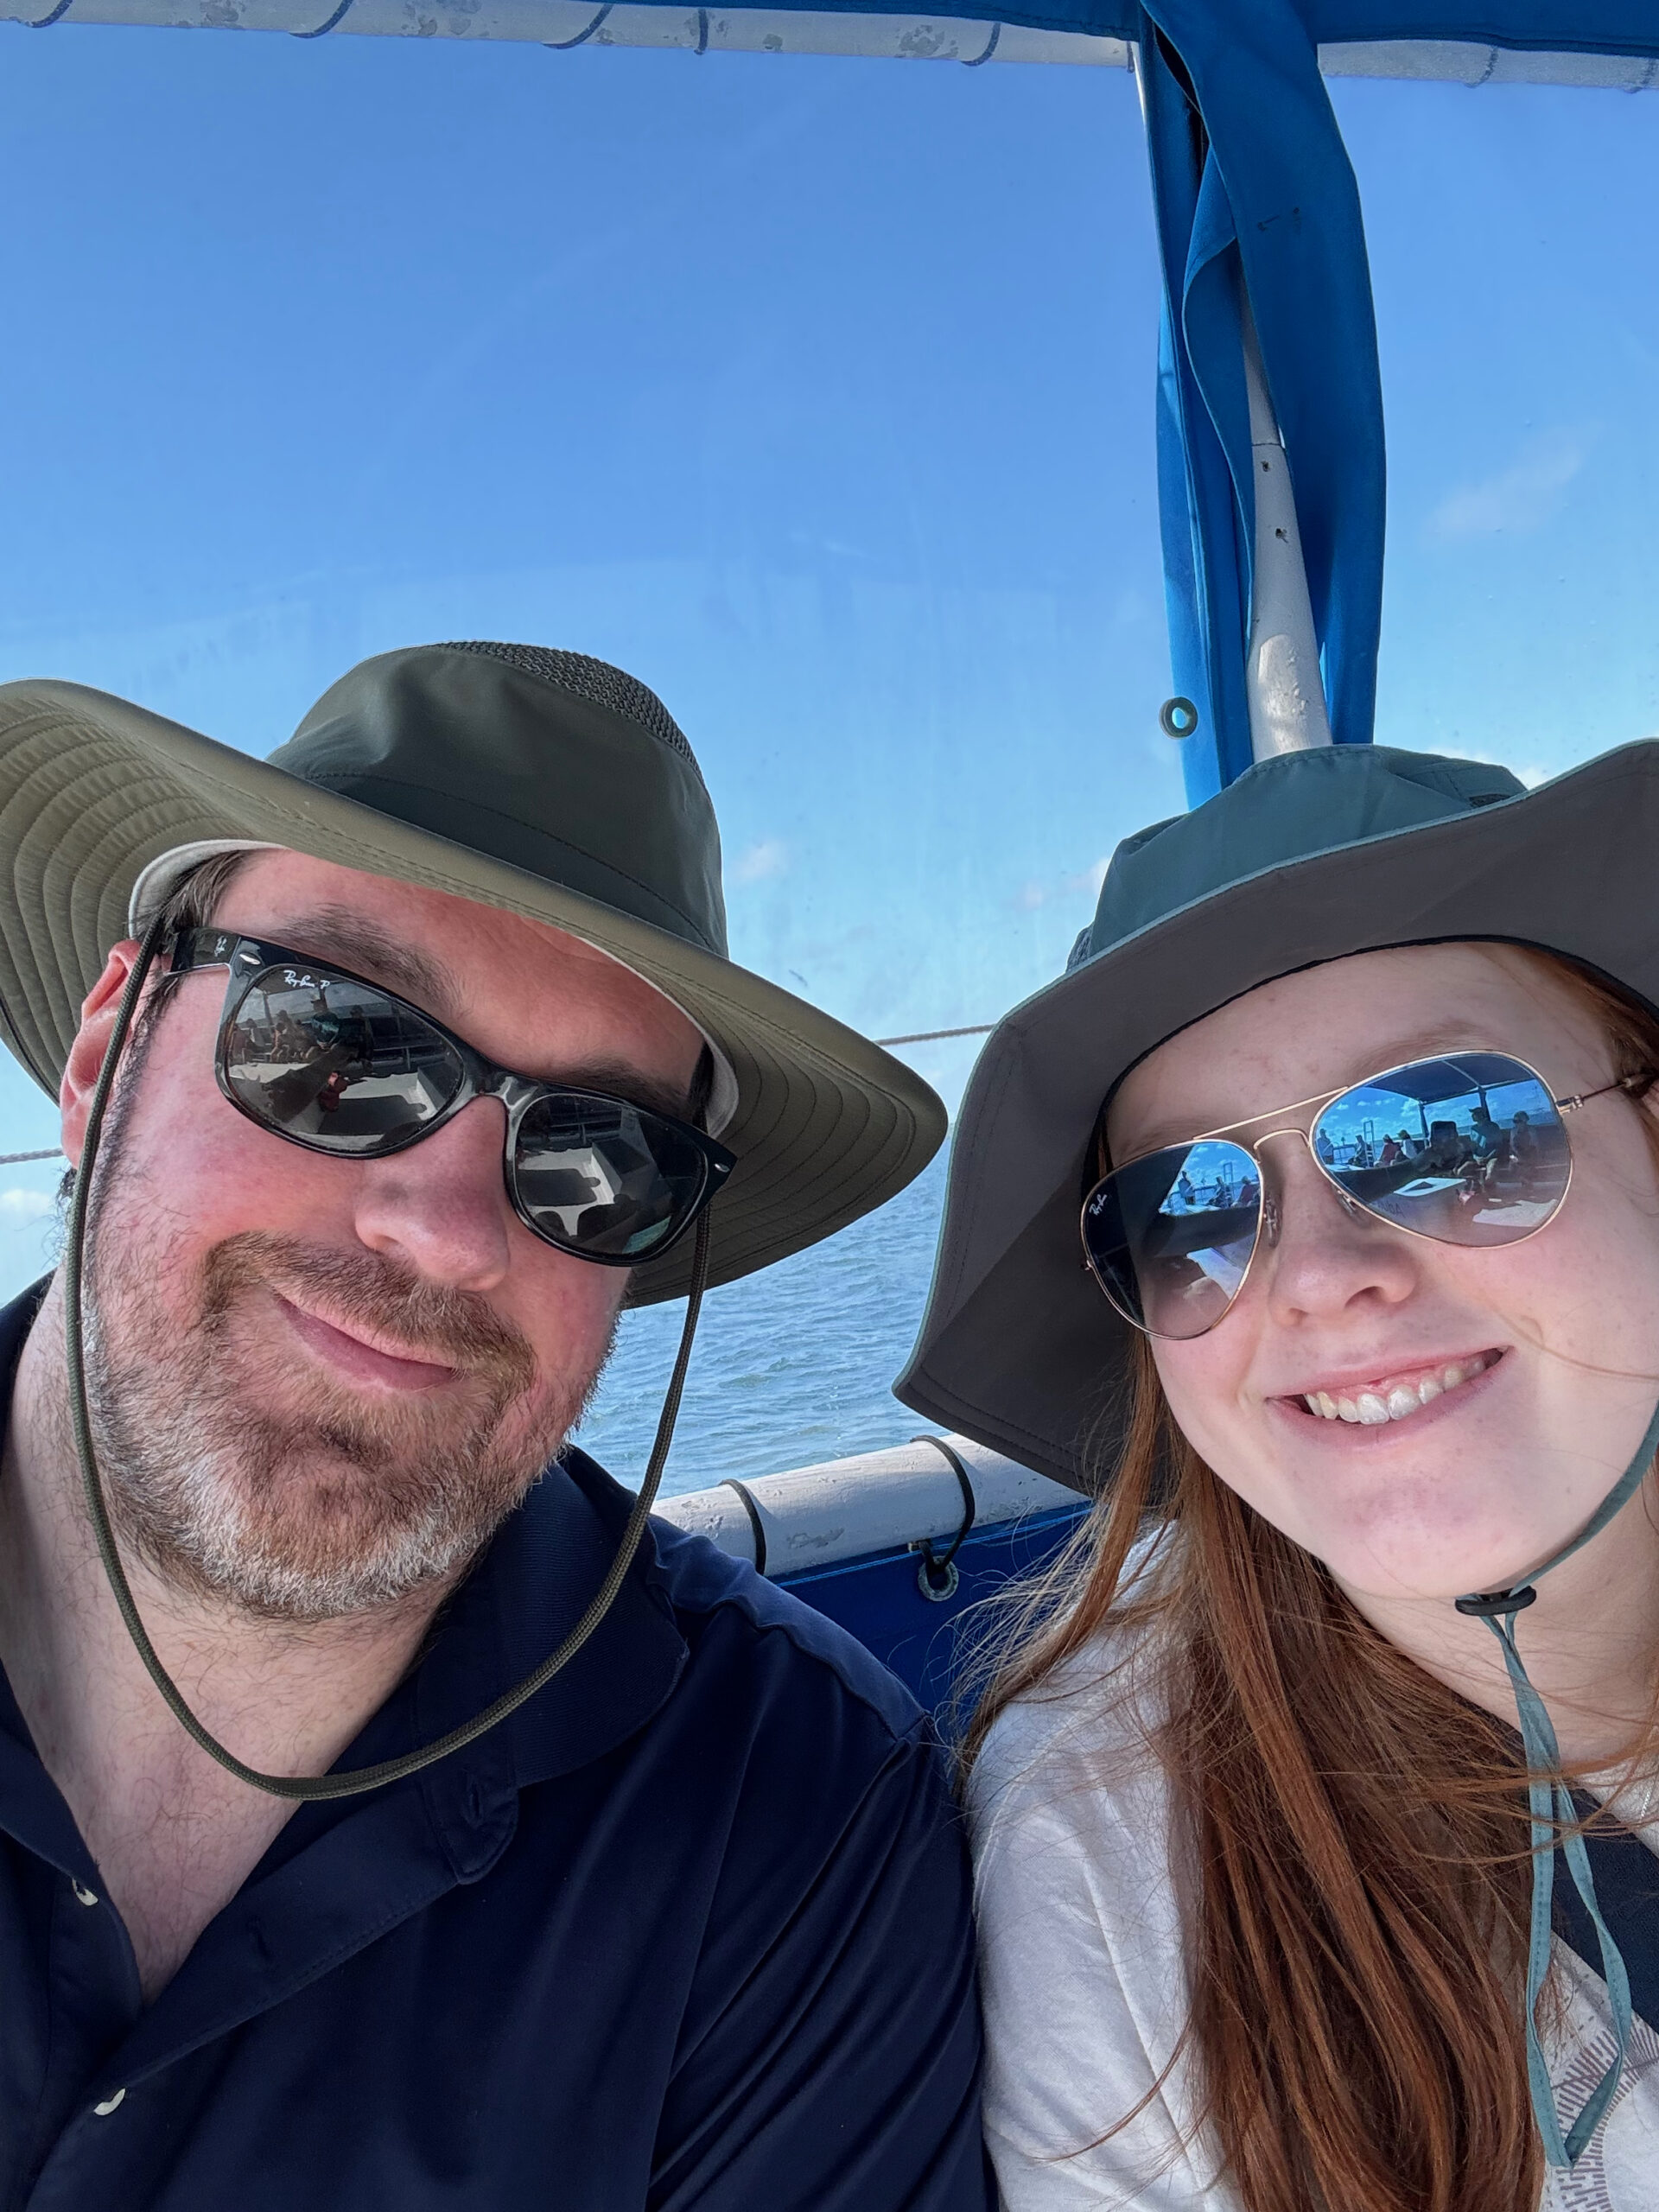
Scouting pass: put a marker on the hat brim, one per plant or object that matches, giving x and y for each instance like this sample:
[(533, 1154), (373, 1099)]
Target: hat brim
[(1018, 1348), (93, 789)]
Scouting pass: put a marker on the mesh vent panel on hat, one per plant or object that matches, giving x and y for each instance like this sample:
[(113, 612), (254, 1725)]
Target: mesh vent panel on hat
[(595, 681)]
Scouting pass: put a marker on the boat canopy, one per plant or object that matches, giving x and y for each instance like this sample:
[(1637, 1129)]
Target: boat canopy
[(1269, 410)]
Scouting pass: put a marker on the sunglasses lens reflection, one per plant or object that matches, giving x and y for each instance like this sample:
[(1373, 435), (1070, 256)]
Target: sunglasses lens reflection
[(603, 1179), (1170, 1236), (344, 1068), (336, 1063), (1467, 1150)]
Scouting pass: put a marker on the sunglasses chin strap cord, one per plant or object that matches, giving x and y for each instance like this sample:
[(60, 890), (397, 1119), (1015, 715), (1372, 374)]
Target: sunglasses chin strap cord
[(311, 1787), (1550, 1803)]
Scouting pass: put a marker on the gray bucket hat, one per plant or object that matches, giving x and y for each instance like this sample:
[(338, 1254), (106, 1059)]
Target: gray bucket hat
[(1307, 857), (543, 783)]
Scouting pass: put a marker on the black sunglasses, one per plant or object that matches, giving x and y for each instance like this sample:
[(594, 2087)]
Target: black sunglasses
[(338, 1065), (1466, 1149)]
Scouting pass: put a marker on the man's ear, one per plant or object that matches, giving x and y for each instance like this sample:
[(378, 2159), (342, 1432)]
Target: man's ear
[(91, 1040)]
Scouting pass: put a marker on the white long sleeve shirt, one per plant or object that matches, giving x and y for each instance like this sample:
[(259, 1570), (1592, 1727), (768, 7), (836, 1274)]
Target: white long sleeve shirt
[(1085, 1986)]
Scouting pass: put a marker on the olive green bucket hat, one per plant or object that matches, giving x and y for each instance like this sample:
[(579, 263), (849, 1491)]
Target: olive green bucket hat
[(543, 783), (1306, 857)]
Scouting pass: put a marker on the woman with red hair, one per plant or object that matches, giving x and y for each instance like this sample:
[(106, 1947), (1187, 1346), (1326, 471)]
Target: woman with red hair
[(1312, 1791)]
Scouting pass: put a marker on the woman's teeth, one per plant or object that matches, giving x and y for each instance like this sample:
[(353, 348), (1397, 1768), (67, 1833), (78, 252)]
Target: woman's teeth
[(1397, 1400)]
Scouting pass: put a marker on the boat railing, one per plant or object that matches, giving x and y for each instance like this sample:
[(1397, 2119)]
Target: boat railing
[(876, 1502), (898, 1546)]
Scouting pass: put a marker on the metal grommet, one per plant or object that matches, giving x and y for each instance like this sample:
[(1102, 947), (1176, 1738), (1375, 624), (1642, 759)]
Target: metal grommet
[(1178, 717), (941, 1592)]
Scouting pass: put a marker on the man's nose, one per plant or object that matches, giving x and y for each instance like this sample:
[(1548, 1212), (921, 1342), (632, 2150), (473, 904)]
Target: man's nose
[(442, 1205), (1327, 1254)]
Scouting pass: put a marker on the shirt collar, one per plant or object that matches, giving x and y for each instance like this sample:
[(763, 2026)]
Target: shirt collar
[(526, 1593)]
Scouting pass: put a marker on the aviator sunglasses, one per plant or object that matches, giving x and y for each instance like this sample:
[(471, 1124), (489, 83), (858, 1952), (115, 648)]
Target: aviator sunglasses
[(1468, 1148), (340, 1065)]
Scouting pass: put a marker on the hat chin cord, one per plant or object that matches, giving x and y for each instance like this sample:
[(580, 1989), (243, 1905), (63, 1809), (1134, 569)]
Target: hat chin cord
[(310, 1789), (1551, 1805)]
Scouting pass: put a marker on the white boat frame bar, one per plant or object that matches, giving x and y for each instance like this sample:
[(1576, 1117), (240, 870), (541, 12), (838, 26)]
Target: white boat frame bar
[(568, 25), (855, 1509)]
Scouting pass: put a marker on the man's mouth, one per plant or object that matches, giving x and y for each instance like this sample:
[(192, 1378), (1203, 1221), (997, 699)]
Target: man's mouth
[(365, 1360), (1396, 1397)]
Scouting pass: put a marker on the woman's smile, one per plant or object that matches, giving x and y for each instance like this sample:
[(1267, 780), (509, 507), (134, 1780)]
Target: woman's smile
[(1397, 1396), (1355, 1337)]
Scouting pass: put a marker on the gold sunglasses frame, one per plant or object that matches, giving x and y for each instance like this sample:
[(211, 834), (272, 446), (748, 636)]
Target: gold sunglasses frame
[(1267, 1209)]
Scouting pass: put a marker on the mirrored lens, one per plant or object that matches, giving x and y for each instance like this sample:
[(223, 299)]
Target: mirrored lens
[(1468, 1149), (1171, 1236), (336, 1063), (602, 1179)]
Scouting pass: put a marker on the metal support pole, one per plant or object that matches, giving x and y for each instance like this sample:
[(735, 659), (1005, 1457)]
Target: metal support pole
[(1282, 680)]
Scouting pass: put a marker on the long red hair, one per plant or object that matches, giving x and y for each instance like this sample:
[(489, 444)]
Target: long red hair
[(1362, 1856)]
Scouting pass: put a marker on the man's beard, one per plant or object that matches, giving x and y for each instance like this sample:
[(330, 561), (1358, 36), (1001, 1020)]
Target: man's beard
[(276, 1490)]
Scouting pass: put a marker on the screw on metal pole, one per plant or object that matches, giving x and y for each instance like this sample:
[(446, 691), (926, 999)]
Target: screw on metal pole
[(1178, 717)]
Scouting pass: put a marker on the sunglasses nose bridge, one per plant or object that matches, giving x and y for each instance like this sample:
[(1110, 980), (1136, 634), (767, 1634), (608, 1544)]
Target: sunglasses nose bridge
[(516, 1093), (1273, 1210)]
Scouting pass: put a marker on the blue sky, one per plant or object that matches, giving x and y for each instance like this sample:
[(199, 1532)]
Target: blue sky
[(818, 393)]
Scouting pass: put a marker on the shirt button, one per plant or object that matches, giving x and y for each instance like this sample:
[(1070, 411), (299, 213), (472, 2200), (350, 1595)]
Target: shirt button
[(85, 1895), (109, 2104)]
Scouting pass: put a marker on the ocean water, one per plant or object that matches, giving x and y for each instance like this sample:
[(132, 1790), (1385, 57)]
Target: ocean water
[(791, 1366)]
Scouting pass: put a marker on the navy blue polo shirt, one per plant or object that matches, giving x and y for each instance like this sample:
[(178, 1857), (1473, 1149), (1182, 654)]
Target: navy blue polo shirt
[(690, 1929)]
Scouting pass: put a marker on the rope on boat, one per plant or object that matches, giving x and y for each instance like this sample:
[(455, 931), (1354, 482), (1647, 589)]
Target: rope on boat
[(566, 45), (940, 1591), (333, 23), (932, 1036), (757, 1526)]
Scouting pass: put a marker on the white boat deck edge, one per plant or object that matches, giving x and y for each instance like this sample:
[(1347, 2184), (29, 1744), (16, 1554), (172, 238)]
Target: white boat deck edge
[(876, 1502)]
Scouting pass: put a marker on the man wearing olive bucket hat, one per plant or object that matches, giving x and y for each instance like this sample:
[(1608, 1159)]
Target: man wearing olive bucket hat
[(1313, 1217), (390, 1815)]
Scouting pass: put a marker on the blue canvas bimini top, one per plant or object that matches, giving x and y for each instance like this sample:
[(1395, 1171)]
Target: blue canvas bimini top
[(690, 1929)]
